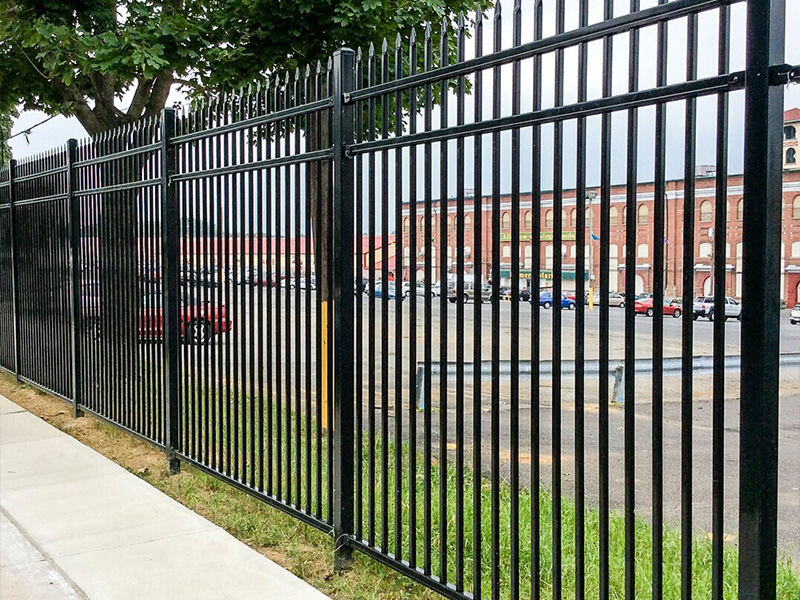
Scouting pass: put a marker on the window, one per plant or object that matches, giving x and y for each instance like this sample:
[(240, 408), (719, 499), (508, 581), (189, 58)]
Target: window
[(795, 249), (643, 251), (548, 219), (406, 224), (573, 217), (563, 218), (789, 133), (505, 221), (740, 210), (506, 251), (706, 211), (624, 214), (614, 216), (791, 156), (467, 223), (796, 208), (528, 220), (644, 215), (705, 250)]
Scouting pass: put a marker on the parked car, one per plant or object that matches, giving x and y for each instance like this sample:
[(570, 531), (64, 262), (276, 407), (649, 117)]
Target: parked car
[(469, 292), (420, 289), (794, 315), (524, 294), (199, 321), (672, 307), (704, 307), (390, 291), (616, 299), (546, 300)]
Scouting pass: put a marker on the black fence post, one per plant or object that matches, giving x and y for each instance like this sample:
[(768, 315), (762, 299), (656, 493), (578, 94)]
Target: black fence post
[(343, 254), (76, 315), (761, 237), (170, 287), (12, 172)]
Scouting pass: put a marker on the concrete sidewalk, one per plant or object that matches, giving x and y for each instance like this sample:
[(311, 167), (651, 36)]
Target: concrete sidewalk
[(73, 524)]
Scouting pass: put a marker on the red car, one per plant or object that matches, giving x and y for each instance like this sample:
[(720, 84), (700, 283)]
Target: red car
[(200, 322), (671, 307)]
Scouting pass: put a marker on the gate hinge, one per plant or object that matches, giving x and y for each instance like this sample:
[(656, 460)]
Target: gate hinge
[(784, 74)]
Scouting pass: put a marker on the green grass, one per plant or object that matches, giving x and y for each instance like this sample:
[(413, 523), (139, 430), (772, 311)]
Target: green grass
[(788, 581)]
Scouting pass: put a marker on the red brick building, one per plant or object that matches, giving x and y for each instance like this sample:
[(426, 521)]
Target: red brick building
[(705, 202)]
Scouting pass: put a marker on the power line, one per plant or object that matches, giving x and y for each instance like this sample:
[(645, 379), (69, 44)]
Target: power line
[(26, 132)]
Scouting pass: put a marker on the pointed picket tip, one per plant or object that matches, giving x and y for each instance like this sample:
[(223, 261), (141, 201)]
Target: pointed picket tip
[(478, 14), (371, 50), (308, 71), (445, 26), (462, 21), (398, 41), (428, 31), (297, 74), (413, 36), (319, 66), (330, 63), (518, 6), (498, 10), (384, 46)]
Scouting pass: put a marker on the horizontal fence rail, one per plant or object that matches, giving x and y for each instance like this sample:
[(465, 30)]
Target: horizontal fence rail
[(288, 287)]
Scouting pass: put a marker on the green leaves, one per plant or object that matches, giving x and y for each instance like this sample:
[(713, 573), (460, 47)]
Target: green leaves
[(84, 56)]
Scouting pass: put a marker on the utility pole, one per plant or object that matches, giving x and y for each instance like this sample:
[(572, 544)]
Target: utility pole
[(590, 196)]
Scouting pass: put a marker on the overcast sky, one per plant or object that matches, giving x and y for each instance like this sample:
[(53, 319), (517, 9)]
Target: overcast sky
[(59, 129)]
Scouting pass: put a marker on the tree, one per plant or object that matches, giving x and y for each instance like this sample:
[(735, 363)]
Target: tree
[(82, 57)]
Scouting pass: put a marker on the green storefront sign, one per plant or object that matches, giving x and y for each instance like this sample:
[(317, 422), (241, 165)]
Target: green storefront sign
[(544, 236), (543, 274)]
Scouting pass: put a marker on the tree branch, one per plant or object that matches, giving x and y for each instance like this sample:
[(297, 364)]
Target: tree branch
[(159, 94), (140, 97)]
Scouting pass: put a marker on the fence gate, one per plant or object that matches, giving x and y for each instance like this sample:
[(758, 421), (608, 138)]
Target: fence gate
[(302, 289)]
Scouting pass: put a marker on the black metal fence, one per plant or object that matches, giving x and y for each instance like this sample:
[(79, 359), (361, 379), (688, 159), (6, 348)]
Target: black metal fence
[(191, 280)]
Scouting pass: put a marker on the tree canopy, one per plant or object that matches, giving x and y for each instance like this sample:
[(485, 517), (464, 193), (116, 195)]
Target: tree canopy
[(82, 57)]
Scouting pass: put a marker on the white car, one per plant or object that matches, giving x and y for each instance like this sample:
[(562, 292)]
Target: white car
[(704, 307), (794, 315)]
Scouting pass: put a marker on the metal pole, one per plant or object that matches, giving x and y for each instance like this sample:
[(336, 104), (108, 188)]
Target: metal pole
[(75, 279), (170, 256), (342, 250), (12, 171), (758, 449)]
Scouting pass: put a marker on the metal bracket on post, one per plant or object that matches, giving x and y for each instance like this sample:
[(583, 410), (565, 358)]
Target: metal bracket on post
[(170, 282), (76, 315), (12, 172), (342, 250)]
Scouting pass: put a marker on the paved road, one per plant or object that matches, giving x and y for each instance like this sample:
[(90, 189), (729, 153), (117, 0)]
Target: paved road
[(789, 484)]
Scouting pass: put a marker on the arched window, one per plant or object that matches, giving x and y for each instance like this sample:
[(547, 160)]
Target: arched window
[(548, 219), (706, 211), (573, 217), (406, 224), (505, 221), (740, 210), (528, 220), (791, 156), (796, 208), (789, 133), (563, 218), (613, 216), (644, 214), (624, 214), (728, 211), (588, 216), (467, 223)]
